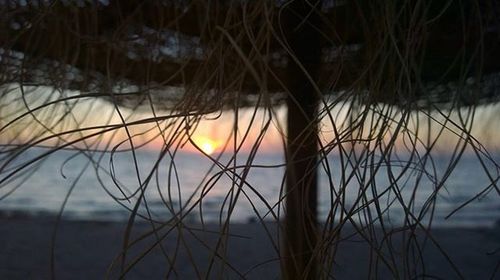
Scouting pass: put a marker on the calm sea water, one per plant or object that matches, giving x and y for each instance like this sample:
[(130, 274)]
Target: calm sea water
[(97, 186)]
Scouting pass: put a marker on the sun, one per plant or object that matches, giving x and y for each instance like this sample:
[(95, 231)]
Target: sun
[(206, 145)]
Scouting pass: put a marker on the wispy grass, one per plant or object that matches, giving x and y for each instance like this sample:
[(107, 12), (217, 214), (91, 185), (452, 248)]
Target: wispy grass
[(393, 98)]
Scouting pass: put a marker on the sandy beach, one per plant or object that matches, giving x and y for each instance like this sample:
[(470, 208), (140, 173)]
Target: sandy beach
[(87, 250)]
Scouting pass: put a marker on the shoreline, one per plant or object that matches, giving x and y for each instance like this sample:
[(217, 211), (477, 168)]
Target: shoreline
[(86, 249)]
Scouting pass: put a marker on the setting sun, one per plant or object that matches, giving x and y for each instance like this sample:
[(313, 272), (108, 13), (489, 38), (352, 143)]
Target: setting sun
[(207, 145)]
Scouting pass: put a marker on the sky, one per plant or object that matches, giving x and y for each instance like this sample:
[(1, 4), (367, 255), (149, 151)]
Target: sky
[(211, 133)]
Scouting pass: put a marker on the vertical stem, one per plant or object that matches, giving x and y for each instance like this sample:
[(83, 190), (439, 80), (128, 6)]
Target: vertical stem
[(300, 236)]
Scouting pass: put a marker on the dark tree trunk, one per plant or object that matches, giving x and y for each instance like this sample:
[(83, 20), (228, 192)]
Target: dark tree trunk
[(300, 235)]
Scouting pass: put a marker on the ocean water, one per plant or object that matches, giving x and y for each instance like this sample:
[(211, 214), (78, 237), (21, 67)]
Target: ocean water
[(105, 186)]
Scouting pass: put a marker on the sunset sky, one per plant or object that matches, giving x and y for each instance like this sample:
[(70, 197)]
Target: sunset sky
[(210, 133)]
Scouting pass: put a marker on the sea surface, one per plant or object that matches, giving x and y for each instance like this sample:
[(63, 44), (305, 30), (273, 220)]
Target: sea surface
[(108, 187)]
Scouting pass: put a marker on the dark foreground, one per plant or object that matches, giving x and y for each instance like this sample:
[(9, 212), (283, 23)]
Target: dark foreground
[(86, 250)]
